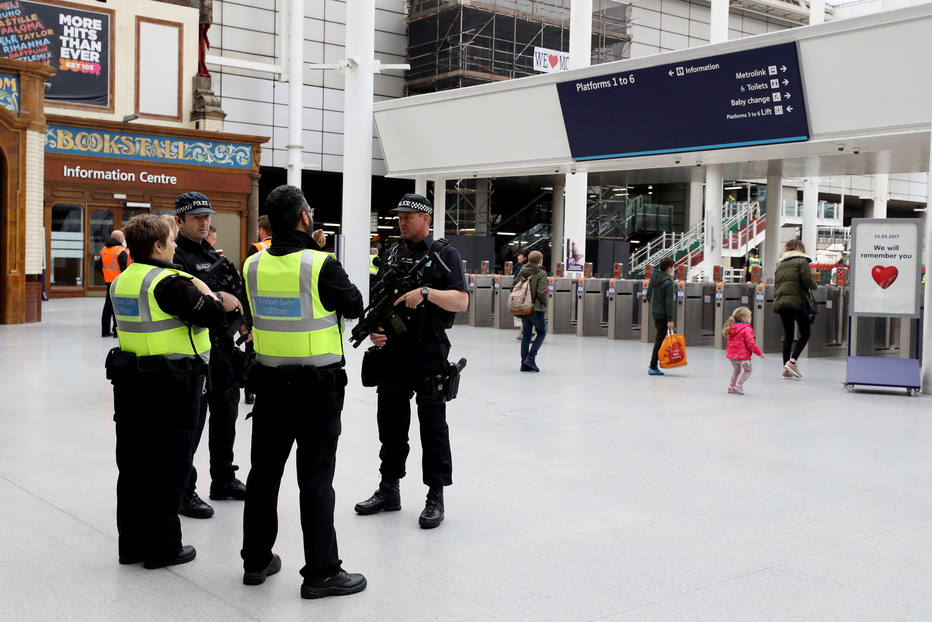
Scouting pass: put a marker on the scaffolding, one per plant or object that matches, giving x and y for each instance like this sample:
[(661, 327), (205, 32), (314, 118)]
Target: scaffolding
[(457, 43)]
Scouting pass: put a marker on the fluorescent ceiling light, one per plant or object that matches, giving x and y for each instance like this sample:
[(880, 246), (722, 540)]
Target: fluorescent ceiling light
[(384, 227), (505, 233)]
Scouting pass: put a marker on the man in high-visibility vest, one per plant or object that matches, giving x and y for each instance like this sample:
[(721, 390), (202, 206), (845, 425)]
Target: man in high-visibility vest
[(112, 260), (753, 262), (299, 296), (158, 374), (264, 233)]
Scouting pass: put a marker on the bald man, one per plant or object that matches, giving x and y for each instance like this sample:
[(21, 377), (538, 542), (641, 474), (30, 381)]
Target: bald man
[(112, 260)]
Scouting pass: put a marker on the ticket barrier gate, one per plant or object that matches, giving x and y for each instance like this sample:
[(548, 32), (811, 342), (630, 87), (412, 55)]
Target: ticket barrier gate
[(624, 309), (879, 336), (829, 329), (592, 308), (768, 328), (481, 300), (502, 289), (648, 331), (561, 306), (695, 312), (728, 297)]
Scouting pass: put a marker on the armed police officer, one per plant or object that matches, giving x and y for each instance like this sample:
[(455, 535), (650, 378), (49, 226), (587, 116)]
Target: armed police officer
[(299, 296), (198, 257), (158, 373), (411, 359)]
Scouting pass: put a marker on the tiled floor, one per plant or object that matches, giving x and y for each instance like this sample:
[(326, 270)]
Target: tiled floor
[(588, 491)]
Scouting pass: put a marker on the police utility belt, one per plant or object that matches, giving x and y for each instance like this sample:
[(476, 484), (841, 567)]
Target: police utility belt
[(443, 386), (123, 365)]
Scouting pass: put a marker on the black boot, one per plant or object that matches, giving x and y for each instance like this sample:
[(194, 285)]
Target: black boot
[(386, 499), (432, 515)]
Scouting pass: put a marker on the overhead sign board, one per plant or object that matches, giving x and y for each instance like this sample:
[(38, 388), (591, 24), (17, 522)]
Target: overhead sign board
[(885, 267), (752, 97), (74, 41)]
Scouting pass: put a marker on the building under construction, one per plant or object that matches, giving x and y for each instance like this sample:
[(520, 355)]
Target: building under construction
[(456, 43)]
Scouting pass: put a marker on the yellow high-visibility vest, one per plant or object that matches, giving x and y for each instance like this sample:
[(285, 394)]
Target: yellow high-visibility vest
[(143, 327), (290, 325)]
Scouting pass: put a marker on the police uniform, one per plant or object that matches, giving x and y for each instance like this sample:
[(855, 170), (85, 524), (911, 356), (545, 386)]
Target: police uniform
[(298, 296), (753, 262), (158, 373), (112, 260), (222, 396), (409, 360)]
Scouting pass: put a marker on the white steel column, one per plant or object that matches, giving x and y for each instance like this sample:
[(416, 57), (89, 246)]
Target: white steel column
[(574, 222), (440, 208), (556, 236), (774, 222), (718, 28), (712, 248), (881, 195), (420, 186), (357, 140), (927, 292), (816, 12), (295, 91), (694, 209), (810, 215)]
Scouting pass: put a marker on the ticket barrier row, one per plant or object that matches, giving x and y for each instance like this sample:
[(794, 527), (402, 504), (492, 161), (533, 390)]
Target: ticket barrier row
[(829, 331)]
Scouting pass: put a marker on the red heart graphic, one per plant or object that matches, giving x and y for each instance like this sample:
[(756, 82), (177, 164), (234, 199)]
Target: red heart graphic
[(554, 59), (885, 275)]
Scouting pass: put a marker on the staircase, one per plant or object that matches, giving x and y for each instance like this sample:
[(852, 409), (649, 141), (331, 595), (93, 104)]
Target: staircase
[(743, 226)]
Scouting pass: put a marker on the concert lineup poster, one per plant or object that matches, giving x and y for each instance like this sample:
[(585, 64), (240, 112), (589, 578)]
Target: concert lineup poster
[(75, 42)]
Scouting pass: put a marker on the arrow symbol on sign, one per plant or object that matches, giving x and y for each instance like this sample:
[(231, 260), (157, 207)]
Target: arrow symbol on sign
[(783, 68), (670, 73), (789, 109), (787, 95), (785, 81)]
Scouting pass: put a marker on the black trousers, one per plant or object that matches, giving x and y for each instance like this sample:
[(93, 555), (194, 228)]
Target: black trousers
[(223, 400), (107, 319), (410, 365), (156, 417), (791, 319), (296, 406), (660, 324)]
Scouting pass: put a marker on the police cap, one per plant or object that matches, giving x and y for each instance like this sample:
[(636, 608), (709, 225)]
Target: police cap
[(412, 202), (192, 203)]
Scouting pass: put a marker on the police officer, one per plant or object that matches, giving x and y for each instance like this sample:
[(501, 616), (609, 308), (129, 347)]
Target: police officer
[(157, 373), (112, 260), (298, 295), (413, 357), (197, 256)]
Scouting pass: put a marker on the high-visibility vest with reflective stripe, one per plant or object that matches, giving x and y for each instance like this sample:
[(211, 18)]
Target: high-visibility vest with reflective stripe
[(110, 259), (143, 327), (753, 261), (264, 244), (373, 269), (289, 324)]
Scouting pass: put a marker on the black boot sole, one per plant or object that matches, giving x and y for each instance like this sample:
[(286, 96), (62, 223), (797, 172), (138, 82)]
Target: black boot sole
[(321, 592), (364, 511)]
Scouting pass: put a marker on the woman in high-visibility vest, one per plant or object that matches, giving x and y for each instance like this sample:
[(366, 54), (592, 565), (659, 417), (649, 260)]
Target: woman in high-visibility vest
[(158, 375)]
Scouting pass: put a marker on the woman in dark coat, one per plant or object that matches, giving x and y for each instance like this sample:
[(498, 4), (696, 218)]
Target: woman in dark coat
[(792, 282)]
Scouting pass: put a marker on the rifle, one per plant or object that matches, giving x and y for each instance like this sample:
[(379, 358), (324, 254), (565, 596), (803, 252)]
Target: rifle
[(223, 276), (396, 280)]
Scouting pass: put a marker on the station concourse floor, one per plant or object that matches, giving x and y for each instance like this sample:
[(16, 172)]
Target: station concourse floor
[(589, 491)]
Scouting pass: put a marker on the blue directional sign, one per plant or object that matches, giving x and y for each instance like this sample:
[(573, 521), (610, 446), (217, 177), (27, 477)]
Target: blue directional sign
[(753, 97)]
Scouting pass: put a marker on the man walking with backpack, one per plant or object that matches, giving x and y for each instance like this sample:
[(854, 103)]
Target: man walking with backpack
[(536, 279)]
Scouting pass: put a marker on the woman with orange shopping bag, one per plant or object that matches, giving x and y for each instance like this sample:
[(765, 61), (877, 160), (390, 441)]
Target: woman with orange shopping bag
[(660, 294)]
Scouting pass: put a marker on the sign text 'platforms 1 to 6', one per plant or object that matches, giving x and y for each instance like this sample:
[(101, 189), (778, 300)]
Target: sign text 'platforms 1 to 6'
[(753, 97)]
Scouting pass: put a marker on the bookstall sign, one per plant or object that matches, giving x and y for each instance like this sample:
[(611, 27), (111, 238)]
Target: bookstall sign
[(75, 42)]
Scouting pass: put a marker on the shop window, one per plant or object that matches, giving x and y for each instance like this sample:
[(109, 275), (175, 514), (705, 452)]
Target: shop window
[(101, 226), (129, 212), (67, 245)]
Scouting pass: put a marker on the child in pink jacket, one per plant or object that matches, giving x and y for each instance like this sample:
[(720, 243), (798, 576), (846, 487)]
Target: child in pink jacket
[(740, 346)]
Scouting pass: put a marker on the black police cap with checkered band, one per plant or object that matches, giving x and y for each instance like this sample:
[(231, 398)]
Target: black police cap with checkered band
[(414, 203)]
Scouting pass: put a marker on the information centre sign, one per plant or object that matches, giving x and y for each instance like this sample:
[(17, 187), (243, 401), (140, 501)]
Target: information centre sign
[(885, 267), (753, 97)]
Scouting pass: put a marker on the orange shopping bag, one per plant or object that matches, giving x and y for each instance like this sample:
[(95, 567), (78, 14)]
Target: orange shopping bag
[(672, 350)]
